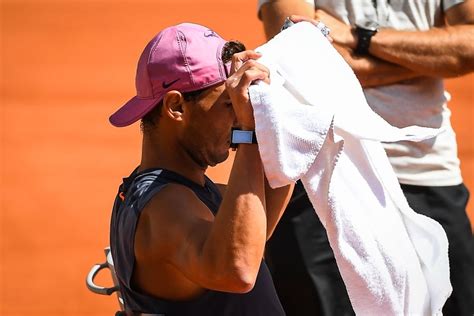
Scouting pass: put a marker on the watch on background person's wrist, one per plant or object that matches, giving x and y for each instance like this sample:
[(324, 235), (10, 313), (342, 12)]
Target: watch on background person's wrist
[(365, 32)]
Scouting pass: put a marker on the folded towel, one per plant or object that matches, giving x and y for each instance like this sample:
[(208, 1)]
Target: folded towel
[(313, 123)]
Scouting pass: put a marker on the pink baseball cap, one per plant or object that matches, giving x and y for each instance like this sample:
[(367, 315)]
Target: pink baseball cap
[(184, 57)]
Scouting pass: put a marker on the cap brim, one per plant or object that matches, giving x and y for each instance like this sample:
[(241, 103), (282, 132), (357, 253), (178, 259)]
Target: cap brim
[(132, 111)]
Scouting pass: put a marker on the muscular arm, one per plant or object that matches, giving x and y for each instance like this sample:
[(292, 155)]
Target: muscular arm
[(234, 245), (396, 55), (372, 71), (276, 201), (444, 52), (220, 253)]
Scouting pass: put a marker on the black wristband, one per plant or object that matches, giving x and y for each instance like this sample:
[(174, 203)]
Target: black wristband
[(364, 37)]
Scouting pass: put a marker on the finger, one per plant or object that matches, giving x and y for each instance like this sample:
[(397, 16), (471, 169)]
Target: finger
[(248, 77), (239, 83), (300, 18), (318, 23), (252, 63), (261, 68), (235, 79), (239, 59)]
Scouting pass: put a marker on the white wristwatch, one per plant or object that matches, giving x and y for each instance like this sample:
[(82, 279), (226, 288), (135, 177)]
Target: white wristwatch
[(242, 137)]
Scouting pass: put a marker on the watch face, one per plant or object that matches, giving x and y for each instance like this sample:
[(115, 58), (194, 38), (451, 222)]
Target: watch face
[(369, 26), (241, 137)]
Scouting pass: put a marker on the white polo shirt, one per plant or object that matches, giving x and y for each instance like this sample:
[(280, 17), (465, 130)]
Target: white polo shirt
[(421, 101)]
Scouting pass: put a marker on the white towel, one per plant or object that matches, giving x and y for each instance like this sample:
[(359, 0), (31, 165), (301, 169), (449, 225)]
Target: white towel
[(313, 123)]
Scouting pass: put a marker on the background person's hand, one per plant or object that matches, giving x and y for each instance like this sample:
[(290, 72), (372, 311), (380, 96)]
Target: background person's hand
[(341, 32), (244, 70), (299, 18)]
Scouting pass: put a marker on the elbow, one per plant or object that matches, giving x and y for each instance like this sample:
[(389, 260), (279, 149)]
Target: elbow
[(242, 282), (240, 278), (465, 60), (463, 66), (234, 279), (459, 65), (366, 81)]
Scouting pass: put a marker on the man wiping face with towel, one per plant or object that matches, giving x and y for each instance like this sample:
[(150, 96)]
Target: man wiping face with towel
[(181, 244)]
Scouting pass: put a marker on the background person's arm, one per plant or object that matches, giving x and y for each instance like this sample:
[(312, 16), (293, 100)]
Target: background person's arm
[(369, 70), (442, 52), (372, 71), (396, 55)]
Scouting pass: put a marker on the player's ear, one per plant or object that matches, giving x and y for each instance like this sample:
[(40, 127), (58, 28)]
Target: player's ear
[(173, 105)]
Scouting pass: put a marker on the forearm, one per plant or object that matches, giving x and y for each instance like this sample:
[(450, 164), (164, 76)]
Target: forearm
[(273, 14), (372, 71), (276, 201), (375, 72), (441, 52), (238, 235)]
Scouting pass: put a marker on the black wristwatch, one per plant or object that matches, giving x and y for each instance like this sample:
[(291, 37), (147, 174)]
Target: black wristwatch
[(242, 137), (364, 33)]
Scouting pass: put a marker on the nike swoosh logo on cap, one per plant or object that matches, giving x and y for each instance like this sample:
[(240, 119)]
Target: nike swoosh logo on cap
[(169, 84)]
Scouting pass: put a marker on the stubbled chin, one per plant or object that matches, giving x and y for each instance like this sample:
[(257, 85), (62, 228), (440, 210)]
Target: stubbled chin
[(223, 157)]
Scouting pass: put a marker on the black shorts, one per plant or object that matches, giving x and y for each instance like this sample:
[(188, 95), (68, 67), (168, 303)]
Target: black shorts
[(447, 205), (305, 273)]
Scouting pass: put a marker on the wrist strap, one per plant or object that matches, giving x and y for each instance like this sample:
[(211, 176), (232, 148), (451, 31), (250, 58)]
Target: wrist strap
[(364, 38)]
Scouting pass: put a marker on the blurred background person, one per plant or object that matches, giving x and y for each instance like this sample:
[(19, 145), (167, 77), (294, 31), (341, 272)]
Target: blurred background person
[(400, 52)]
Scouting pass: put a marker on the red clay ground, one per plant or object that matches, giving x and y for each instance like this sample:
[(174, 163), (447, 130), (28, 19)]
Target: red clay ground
[(66, 65)]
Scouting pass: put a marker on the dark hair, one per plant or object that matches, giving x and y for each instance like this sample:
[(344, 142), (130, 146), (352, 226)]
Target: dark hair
[(230, 48), (148, 122)]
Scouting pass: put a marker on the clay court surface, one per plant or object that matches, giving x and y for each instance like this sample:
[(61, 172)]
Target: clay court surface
[(66, 65)]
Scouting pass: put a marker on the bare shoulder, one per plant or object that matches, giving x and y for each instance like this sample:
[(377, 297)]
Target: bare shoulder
[(165, 223)]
